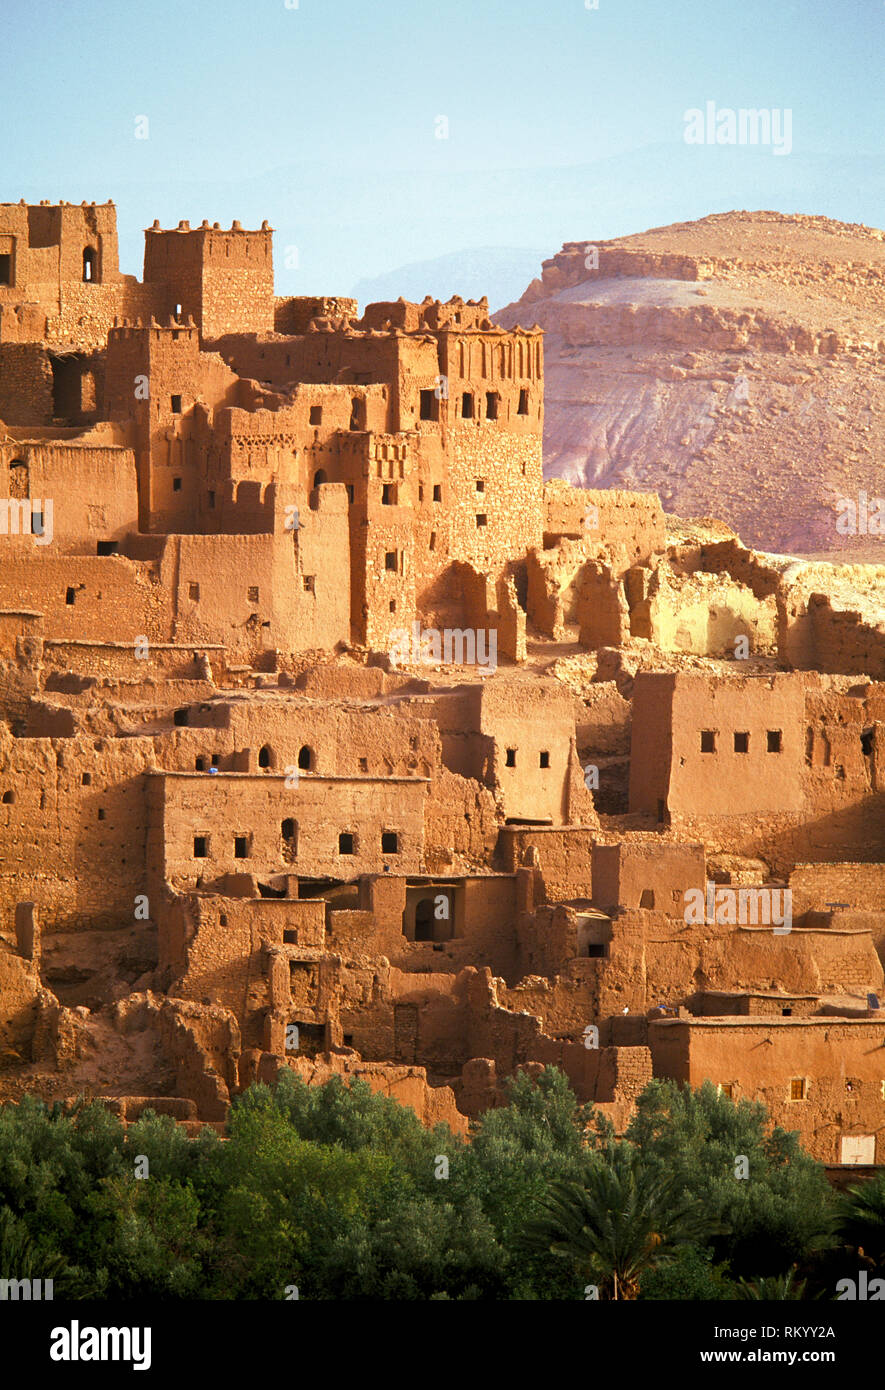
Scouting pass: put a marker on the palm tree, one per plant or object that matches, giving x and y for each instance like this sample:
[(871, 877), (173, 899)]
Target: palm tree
[(862, 1220), (624, 1220), (772, 1287)]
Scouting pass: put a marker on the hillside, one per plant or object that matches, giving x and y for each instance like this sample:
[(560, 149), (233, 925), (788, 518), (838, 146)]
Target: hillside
[(735, 365)]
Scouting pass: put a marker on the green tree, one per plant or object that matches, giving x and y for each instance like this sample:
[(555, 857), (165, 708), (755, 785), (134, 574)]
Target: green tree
[(623, 1221), (777, 1215)]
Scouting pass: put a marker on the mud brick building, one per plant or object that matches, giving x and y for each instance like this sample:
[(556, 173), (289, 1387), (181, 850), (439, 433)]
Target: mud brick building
[(320, 707)]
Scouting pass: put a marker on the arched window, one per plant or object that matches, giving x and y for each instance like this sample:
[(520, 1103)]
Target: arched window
[(320, 477), (265, 757), (89, 259), (305, 758)]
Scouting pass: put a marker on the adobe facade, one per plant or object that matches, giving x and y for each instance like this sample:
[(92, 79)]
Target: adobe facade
[(334, 738)]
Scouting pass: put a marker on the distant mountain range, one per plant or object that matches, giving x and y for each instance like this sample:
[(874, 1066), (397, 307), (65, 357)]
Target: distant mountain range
[(497, 271)]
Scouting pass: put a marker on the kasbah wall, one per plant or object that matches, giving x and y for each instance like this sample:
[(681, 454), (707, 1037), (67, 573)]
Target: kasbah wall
[(320, 707)]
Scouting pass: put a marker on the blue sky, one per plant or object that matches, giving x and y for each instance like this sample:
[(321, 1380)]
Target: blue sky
[(563, 122)]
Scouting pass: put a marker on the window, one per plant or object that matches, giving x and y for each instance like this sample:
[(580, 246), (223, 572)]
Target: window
[(726, 1088), (389, 842), (305, 758), (8, 798), (216, 759), (265, 757), (194, 593), (364, 764), (201, 843), (199, 764), (345, 843), (491, 405), (798, 1088), (105, 547), (179, 717), (252, 593), (390, 560), (69, 597), (355, 412), (309, 581), (482, 519), (480, 485), (102, 813), (647, 898), (176, 485), (392, 605), (523, 407), (774, 740), (211, 500), (289, 836), (176, 405), (388, 494), (432, 545), (349, 487), (866, 743), (428, 409), (742, 743), (86, 779), (437, 492), (5, 270), (320, 477), (708, 741), (544, 759), (88, 265), (467, 405), (287, 829), (241, 846), (316, 414), (510, 758)]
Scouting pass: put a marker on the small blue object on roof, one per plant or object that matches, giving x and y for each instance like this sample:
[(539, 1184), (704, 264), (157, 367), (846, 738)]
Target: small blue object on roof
[(872, 1001)]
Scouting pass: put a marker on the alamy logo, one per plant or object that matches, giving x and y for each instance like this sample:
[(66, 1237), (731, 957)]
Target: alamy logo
[(76, 1343), (27, 516), (25, 1290), (725, 906), (453, 646), (746, 126), (863, 517)]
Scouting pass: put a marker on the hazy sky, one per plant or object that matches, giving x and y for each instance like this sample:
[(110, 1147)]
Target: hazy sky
[(564, 122)]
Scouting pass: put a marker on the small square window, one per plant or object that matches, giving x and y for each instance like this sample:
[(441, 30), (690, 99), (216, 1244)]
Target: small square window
[(510, 758), (176, 405), (309, 582), (345, 843), (437, 492), (176, 485), (86, 779), (480, 485), (708, 741), (390, 561), (252, 593), (316, 414), (241, 846), (201, 843), (389, 842), (798, 1088), (727, 1089), (482, 519), (393, 605), (742, 743), (102, 814), (544, 759), (774, 740), (194, 592)]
